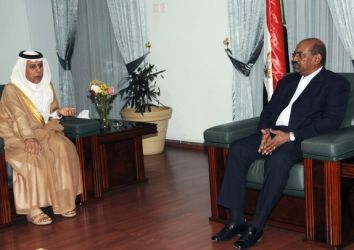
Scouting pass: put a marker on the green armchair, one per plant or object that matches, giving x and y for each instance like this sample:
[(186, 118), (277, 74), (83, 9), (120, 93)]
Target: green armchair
[(319, 196)]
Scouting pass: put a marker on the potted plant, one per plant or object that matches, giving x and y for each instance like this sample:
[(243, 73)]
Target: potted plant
[(141, 103)]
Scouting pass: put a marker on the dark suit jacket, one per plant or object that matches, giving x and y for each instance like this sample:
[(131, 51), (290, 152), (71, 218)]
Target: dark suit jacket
[(319, 109)]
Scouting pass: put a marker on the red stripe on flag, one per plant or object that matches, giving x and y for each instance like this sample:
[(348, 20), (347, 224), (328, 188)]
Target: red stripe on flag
[(275, 28)]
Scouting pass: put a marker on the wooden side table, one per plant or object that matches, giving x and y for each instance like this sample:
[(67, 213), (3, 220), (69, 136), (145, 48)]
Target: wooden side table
[(89, 165), (120, 154), (113, 157)]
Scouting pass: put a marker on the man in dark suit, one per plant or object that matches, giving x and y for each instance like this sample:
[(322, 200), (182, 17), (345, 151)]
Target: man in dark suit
[(306, 103)]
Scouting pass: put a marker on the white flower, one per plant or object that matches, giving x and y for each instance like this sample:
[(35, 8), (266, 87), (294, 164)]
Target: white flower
[(96, 89)]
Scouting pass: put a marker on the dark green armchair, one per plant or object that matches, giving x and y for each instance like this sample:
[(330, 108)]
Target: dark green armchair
[(319, 196)]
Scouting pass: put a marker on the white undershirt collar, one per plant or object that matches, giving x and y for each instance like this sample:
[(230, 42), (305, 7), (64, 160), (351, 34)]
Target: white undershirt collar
[(284, 117)]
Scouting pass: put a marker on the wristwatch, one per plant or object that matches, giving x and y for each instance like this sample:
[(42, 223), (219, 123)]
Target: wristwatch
[(291, 136)]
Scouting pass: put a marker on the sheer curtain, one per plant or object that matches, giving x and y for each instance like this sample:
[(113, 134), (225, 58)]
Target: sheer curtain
[(305, 18), (65, 17), (96, 55), (343, 17), (129, 25), (246, 20), (312, 18)]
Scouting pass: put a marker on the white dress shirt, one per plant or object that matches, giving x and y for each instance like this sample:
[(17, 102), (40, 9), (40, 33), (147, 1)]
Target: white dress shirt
[(284, 117)]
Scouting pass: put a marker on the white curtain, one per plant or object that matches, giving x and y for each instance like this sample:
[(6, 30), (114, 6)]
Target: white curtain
[(129, 25), (343, 18), (96, 55), (246, 20), (312, 18), (304, 19), (65, 17)]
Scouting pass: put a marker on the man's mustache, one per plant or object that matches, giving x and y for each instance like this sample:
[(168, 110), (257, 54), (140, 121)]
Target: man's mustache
[(294, 63)]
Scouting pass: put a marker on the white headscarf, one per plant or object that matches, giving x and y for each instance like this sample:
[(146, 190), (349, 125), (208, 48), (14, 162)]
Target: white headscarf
[(40, 94)]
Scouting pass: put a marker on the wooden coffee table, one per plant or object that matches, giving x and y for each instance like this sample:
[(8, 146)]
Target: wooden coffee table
[(113, 158)]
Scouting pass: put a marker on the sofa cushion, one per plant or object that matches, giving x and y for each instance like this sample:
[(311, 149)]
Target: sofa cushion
[(78, 127), (294, 187)]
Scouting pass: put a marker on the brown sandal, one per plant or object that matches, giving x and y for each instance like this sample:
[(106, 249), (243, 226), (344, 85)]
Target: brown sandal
[(40, 219), (69, 214)]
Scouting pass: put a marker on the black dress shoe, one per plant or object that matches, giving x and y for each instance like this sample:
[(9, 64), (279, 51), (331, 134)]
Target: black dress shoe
[(230, 229), (249, 238)]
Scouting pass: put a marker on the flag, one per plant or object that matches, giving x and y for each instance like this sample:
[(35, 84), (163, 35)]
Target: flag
[(275, 55)]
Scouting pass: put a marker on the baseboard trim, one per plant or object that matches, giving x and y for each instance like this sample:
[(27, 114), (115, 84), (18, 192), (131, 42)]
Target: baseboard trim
[(185, 145)]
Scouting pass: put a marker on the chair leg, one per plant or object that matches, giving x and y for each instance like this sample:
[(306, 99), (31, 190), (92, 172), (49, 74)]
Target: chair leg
[(217, 160), (332, 184), (323, 201), (5, 209)]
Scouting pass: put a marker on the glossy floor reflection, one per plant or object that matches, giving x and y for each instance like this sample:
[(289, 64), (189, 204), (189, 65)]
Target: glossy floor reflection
[(170, 211)]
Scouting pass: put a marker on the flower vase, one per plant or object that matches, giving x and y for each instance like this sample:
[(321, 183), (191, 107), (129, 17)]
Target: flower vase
[(103, 109)]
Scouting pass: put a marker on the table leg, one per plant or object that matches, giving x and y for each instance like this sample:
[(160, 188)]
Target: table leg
[(96, 166), (139, 159)]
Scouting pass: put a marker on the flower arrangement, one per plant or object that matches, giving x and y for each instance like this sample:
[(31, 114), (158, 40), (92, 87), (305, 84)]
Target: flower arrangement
[(99, 88), (102, 96)]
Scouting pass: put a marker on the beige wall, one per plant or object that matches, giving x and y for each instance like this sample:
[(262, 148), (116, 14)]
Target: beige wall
[(26, 25), (186, 37), (187, 41)]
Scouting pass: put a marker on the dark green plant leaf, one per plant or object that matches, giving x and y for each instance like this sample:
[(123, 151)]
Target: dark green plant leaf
[(142, 91)]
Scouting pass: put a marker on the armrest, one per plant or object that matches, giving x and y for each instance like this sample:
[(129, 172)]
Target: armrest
[(334, 146), (223, 135)]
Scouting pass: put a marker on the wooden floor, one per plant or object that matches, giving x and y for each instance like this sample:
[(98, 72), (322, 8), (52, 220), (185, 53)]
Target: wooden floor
[(170, 211)]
